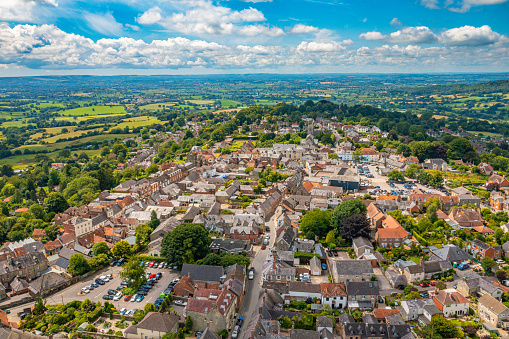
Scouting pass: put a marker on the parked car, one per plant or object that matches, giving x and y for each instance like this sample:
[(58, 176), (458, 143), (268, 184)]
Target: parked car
[(133, 298), (424, 295), (251, 275), (240, 321), (433, 282), (107, 297), (117, 296), (380, 299), (99, 281), (127, 297), (424, 284), (85, 290), (123, 311), (94, 285), (263, 246), (324, 266), (112, 292), (500, 261)]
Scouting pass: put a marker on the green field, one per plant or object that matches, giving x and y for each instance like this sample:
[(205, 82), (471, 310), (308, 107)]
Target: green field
[(24, 160), (81, 141), (138, 122), (81, 118), (229, 103), (201, 102), (93, 110), (158, 106)]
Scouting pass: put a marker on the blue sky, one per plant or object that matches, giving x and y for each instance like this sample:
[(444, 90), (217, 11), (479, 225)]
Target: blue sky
[(40, 37)]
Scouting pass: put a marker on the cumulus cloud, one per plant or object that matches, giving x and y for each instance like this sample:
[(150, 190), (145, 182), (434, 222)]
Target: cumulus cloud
[(152, 16), (466, 5), (47, 47), (314, 46), (300, 28), (202, 17), (470, 36), (413, 35), (372, 36), (395, 22), (104, 24), (23, 10)]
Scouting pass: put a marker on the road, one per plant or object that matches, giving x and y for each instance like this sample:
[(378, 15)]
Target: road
[(73, 292), (254, 289)]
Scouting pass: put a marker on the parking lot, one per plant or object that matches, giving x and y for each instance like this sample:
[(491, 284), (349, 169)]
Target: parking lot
[(74, 292)]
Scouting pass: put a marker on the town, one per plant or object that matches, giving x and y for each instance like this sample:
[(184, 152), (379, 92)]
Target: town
[(325, 232)]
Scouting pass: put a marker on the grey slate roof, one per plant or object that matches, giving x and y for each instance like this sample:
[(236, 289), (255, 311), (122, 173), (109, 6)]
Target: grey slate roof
[(362, 288), (202, 272)]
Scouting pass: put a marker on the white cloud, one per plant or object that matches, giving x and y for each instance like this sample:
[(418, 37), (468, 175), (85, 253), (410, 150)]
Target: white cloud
[(431, 4), (372, 36), (255, 30), (320, 46), (203, 17), (150, 17), (470, 36), (23, 10), (47, 47), (395, 22), (300, 28), (104, 24), (413, 35)]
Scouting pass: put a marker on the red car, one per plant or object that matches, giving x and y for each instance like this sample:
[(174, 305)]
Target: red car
[(127, 297), (263, 247), (152, 276), (424, 285), (151, 264)]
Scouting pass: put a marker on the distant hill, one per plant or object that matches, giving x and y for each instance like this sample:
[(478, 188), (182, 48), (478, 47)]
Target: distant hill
[(499, 86)]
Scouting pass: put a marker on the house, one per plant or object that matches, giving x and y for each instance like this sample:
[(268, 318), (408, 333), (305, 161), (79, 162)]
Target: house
[(474, 285), (231, 246), (47, 283), (392, 237), (500, 180), (286, 238), (274, 269), (362, 245), (485, 168), (203, 273), (214, 311), (493, 311), (451, 253), (413, 308), (344, 271), (466, 197), (28, 267), (301, 291), (315, 266), (362, 294), (483, 250), (466, 217), (435, 164), (154, 326), (451, 303), (334, 295), (414, 273)]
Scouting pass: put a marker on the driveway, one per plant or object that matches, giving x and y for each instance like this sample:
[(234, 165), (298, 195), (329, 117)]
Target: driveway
[(383, 283)]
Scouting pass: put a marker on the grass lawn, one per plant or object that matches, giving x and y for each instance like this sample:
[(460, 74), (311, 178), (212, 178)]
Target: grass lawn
[(93, 110), (416, 260), (488, 134)]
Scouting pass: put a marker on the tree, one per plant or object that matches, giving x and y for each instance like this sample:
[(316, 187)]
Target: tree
[(188, 324), (152, 169), (412, 295), (100, 248), (501, 275), (423, 178), (143, 234), (436, 179), (346, 209), (396, 176), (149, 307), (133, 271), (327, 308), (499, 233), (331, 237), (55, 202), (286, 322), (186, 244), (442, 328), (412, 170), (488, 264), (316, 221), (122, 249), (441, 285), (37, 211), (212, 259), (354, 226), (78, 265), (81, 190), (154, 221), (39, 307)]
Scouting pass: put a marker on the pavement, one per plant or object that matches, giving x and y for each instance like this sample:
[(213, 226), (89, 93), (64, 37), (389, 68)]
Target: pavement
[(254, 289), (73, 292)]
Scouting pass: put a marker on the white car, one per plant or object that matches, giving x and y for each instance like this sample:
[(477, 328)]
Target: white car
[(104, 278), (109, 276), (133, 298), (85, 290), (251, 275), (117, 296)]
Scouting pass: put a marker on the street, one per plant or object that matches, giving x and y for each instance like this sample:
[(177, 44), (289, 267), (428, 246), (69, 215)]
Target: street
[(253, 288)]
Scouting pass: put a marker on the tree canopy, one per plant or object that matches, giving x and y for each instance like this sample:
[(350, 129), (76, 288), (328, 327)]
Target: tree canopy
[(316, 221), (346, 209), (186, 244)]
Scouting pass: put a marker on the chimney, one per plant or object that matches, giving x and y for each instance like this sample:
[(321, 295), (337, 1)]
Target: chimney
[(252, 333), (260, 309), (274, 264), (208, 324)]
